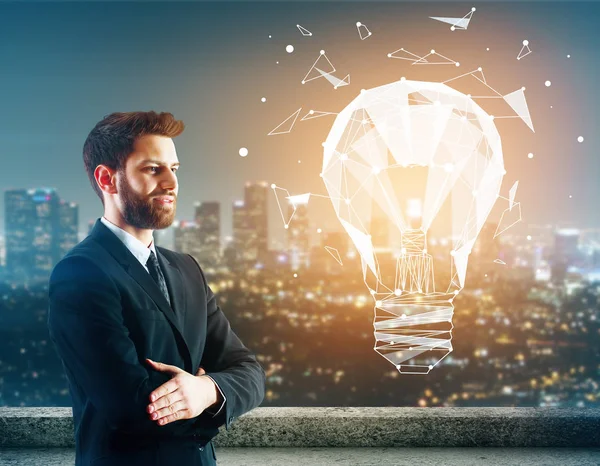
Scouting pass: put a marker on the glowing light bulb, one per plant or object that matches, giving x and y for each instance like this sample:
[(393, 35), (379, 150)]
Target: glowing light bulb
[(435, 174)]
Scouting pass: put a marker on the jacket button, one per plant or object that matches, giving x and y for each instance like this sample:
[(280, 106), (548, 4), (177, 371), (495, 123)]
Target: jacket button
[(201, 448)]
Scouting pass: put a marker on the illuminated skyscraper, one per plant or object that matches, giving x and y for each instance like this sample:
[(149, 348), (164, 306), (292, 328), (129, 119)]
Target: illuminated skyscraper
[(186, 239), (19, 220), (46, 231), (208, 218), (39, 231), (68, 226), (256, 206), (298, 237), (237, 251)]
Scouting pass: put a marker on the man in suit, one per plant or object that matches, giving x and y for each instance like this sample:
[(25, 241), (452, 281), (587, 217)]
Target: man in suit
[(154, 368)]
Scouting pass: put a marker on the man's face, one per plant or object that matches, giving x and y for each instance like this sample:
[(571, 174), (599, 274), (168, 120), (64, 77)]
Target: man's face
[(149, 173)]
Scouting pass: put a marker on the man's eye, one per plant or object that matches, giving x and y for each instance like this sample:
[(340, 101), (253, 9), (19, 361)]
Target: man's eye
[(152, 169)]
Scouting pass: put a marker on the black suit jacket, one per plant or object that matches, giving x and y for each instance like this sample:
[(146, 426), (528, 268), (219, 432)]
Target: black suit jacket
[(106, 316)]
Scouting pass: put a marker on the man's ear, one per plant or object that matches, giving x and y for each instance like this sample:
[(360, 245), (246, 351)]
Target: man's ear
[(106, 178)]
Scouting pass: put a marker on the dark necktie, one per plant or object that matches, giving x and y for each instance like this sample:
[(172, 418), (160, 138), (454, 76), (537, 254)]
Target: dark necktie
[(156, 273)]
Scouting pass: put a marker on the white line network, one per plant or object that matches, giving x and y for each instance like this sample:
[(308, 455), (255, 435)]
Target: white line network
[(402, 54)]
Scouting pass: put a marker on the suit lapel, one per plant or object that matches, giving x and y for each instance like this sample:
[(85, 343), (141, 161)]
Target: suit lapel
[(132, 266)]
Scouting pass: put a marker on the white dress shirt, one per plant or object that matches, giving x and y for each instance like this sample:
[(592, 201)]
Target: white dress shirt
[(142, 252)]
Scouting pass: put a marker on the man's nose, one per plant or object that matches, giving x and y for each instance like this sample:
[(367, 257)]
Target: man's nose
[(169, 181)]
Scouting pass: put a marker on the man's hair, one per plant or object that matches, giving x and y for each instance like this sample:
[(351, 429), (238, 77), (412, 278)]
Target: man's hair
[(112, 139)]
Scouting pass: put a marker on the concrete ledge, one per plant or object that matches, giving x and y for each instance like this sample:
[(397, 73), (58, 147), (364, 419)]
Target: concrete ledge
[(347, 456), (351, 427)]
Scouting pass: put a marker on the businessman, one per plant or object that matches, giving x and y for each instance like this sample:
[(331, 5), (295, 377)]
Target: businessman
[(154, 369)]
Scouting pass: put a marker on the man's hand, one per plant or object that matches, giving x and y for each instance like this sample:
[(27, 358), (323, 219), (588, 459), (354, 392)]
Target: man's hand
[(185, 396)]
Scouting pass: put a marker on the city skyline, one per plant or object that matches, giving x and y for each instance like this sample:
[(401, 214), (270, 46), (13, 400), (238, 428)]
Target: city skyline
[(202, 83)]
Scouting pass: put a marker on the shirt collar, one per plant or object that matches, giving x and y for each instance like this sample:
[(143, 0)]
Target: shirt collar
[(140, 251)]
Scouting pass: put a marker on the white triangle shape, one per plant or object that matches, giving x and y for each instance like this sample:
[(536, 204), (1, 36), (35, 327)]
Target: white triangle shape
[(279, 130), (518, 103)]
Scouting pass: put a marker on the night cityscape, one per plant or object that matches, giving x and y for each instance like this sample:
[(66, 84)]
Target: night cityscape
[(526, 325)]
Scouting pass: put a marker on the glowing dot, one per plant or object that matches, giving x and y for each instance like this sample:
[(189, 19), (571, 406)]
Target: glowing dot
[(430, 367), (528, 237), (402, 78), (299, 161), (432, 51), (479, 69), (389, 55), (403, 316), (452, 28), (312, 112), (457, 64), (473, 9), (488, 49), (277, 63), (286, 227), (398, 292), (348, 201), (548, 83), (269, 37), (289, 49), (319, 230), (530, 155), (273, 186), (568, 56), (322, 52), (580, 139), (526, 42), (243, 152), (570, 196), (378, 303), (295, 275), (359, 24), (264, 99)]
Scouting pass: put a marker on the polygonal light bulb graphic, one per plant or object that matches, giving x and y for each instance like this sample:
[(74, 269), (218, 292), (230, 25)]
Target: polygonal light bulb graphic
[(409, 164)]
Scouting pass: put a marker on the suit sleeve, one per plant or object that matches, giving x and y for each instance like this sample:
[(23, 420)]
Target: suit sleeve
[(229, 363), (85, 322)]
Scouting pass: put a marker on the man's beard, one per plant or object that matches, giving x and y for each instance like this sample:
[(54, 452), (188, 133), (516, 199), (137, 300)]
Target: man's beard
[(142, 212)]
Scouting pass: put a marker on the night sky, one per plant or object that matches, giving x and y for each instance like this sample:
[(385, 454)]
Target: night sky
[(66, 65)]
